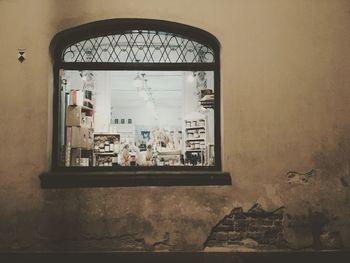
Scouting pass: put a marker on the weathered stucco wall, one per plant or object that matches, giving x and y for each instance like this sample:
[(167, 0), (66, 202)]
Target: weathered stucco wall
[(285, 93)]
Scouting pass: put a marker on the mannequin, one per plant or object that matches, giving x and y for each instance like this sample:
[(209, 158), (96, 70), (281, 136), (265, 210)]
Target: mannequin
[(149, 156), (125, 158)]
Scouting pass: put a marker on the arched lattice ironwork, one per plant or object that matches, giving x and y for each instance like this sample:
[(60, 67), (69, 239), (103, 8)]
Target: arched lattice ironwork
[(139, 46)]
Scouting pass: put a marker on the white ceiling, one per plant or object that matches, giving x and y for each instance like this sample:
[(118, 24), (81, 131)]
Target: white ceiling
[(166, 88)]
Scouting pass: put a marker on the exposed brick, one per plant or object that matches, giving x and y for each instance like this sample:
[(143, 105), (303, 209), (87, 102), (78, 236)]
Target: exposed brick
[(214, 243), (267, 241), (272, 233), (280, 236), (253, 228), (224, 228), (266, 228), (227, 221), (262, 227), (234, 242), (256, 215), (255, 235), (237, 210), (234, 235), (276, 216), (277, 223), (239, 216), (241, 224), (262, 222), (221, 236)]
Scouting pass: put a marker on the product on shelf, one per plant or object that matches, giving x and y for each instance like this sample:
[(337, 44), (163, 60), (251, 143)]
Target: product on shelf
[(106, 160), (76, 117), (106, 149), (79, 129), (195, 140), (76, 97), (207, 98), (79, 137), (80, 157)]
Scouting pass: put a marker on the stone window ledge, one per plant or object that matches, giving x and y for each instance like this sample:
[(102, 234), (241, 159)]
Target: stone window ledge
[(133, 178)]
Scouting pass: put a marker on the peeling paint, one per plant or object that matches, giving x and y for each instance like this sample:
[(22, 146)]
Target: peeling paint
[(255, 228), (300, 178)]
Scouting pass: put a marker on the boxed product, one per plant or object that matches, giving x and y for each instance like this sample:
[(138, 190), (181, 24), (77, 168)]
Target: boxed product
[(80, 157), (79, 137), (75, 117), (76, 97), (67, 156)]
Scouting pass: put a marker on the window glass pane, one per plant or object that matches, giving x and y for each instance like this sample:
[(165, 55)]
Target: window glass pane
[(137, 118), (139, 46)]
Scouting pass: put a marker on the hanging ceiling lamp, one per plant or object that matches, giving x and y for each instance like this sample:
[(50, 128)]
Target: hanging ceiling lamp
[(138, 82)]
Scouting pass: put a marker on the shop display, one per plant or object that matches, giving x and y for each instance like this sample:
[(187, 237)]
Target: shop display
[(196, 140), (79, 129), (125, 156), (207, 98), (80, 157), (79, 137), (76, 117), (164, 125), (106, 149), (76, 98), (149, 158)]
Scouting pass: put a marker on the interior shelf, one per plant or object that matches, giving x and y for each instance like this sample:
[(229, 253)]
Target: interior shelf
[(194, 128)]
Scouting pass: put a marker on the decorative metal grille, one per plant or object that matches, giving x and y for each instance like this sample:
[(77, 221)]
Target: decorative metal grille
[(139, 46)]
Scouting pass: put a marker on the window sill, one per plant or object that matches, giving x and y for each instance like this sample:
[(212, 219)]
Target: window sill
[(135, 178)]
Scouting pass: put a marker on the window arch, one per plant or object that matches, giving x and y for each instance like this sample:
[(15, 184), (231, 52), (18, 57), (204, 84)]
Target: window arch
[(135, 46), (145, 48)]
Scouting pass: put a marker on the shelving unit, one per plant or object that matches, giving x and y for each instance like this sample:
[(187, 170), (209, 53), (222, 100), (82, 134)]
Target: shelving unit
[(195, 140), (106, 149), (79, 136)]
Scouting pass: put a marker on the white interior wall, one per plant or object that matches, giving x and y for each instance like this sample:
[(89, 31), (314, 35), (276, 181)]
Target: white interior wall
[(144, 115), (102, 101)]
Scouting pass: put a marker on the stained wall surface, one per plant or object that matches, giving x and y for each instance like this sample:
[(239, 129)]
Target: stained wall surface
[(285, 68)]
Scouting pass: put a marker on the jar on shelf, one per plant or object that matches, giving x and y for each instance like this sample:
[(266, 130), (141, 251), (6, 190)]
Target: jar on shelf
[(101, 145), (202, 133), (114, 160), (194, 124), (201, 122), (195, 134), (190, 135), (106, 147), (188, 124)]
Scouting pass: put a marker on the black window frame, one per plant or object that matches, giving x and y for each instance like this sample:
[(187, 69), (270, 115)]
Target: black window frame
[(60, 176)]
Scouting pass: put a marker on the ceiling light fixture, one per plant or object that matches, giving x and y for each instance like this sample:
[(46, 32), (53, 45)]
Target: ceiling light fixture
[(138, 81)]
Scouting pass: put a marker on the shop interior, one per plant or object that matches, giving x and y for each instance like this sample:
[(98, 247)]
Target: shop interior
[(137, 118)]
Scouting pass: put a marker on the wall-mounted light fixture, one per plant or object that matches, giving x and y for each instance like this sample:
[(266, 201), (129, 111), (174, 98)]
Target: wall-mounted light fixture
[(21, 55)]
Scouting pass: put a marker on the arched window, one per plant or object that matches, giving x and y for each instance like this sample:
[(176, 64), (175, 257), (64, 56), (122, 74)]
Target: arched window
[(136, 102)]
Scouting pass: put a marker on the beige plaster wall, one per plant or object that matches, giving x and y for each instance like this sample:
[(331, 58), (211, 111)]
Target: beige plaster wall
[(285, 96)]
